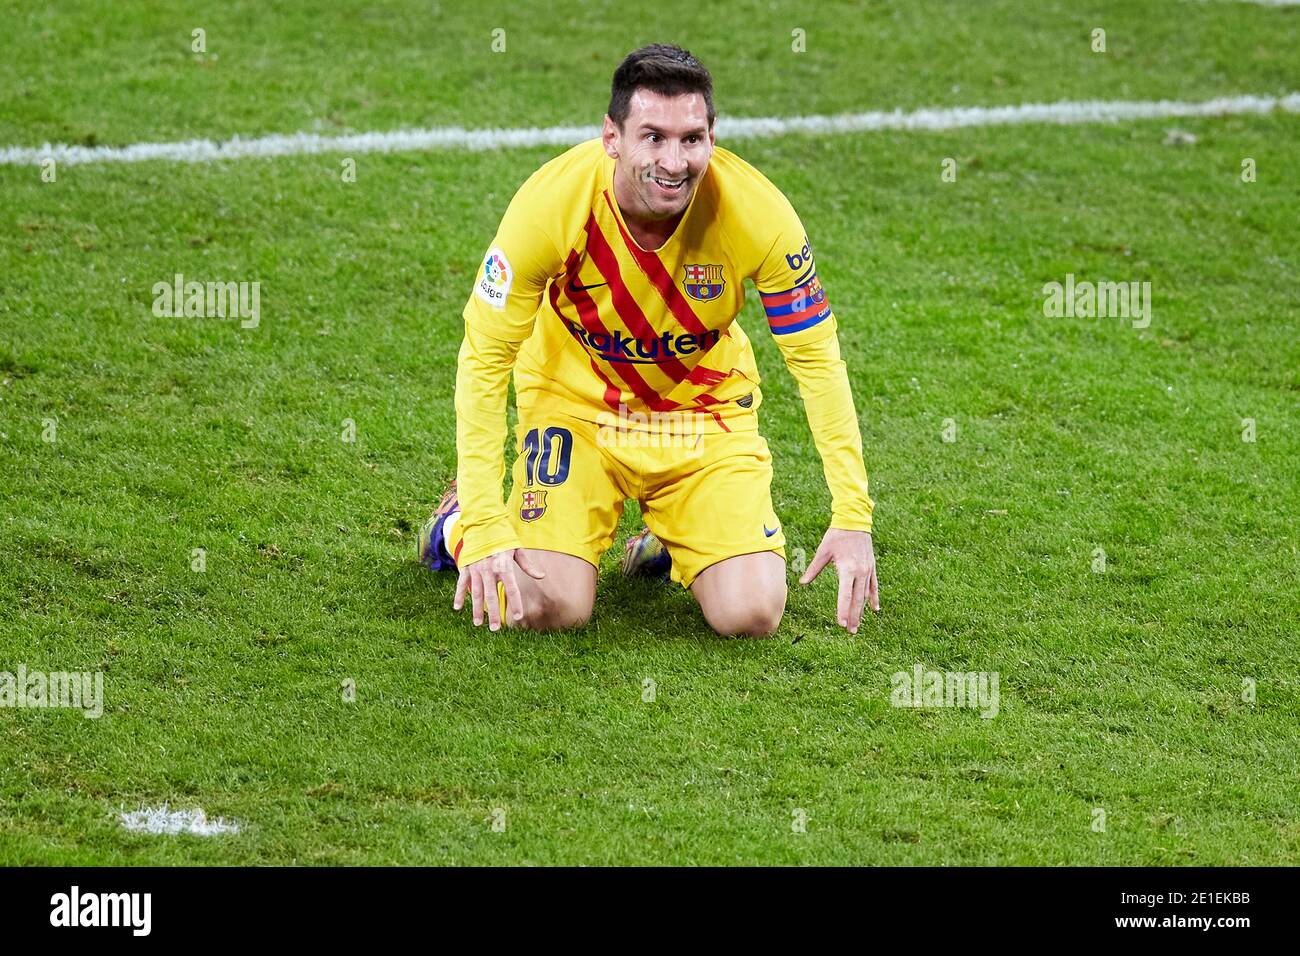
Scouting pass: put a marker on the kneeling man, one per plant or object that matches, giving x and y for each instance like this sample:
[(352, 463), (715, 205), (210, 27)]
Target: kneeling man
[(611, 291)]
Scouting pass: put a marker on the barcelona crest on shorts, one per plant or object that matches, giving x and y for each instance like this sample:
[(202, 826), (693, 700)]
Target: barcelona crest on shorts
[(534, 505), (704, 282)]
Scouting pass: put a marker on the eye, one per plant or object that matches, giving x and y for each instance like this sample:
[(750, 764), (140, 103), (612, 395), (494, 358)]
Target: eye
[(653, 137), (692, 139)]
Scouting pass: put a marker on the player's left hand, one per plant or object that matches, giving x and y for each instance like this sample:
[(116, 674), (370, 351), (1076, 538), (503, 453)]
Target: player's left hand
[(855, 562)]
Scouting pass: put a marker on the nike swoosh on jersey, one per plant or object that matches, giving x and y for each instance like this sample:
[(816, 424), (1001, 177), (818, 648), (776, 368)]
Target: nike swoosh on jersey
[(772, 532), (574, 287)]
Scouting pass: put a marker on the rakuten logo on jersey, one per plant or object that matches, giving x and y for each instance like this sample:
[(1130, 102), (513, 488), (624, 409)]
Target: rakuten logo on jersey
[(620, 348)]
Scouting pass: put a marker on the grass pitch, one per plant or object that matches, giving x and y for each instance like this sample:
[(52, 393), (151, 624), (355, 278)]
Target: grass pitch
[(1124, 690)]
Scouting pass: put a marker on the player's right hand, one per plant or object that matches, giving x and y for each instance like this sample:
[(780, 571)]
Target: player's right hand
[(482, 578)]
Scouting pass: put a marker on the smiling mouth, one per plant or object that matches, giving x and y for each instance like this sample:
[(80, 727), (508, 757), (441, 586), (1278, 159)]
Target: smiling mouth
[(671, 186)]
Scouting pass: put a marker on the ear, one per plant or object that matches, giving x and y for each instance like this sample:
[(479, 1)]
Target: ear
[(610, 137), (713, 136)]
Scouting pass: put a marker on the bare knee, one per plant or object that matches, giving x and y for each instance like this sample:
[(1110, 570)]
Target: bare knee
[(749, 615), (563, 598), (556, 612), (743, 596)]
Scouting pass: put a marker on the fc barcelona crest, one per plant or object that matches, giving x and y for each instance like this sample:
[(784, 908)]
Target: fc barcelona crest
[(704, 282), (534, 505)]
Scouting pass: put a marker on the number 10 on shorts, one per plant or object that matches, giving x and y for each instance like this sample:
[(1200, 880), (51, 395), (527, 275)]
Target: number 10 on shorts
[(547, 455)]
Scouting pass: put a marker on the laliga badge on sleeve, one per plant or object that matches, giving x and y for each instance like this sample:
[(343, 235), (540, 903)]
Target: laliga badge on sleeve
[(494, 279)]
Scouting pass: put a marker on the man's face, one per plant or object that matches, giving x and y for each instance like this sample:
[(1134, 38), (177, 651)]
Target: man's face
[(662, 150)]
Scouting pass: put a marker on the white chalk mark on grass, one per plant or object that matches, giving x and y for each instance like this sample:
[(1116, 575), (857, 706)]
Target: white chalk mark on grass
[(162, 820), (729, 128)]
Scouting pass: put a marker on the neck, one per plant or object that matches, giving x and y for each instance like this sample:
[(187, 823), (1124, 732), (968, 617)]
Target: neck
[(652, 233), (649, 234)]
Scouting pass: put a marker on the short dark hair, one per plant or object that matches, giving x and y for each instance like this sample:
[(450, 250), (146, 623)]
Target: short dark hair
[(661, 68)]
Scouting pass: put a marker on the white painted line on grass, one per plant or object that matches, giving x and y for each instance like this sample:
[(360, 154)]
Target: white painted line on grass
[(729, 128), (161, 820)]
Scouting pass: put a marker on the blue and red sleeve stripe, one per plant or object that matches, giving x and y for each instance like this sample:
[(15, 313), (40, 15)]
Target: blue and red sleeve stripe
[(796, 309)]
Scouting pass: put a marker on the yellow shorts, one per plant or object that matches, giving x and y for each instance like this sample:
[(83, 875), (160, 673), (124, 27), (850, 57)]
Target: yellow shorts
[(707, 497)]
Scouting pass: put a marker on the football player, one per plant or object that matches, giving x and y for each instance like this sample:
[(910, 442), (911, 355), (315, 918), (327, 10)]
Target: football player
[(610, 292)]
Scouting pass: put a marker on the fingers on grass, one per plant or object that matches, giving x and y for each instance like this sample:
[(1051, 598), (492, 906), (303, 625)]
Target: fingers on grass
[(492, 601), (514, 600), (819, 561), (462, 584), (859, 600), (845, 604), (476, 595)]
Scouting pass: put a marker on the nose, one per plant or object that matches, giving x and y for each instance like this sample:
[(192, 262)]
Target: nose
[(673, 160)]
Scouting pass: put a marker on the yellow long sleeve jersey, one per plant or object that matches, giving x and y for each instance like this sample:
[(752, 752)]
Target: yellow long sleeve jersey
[(595, 326)]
